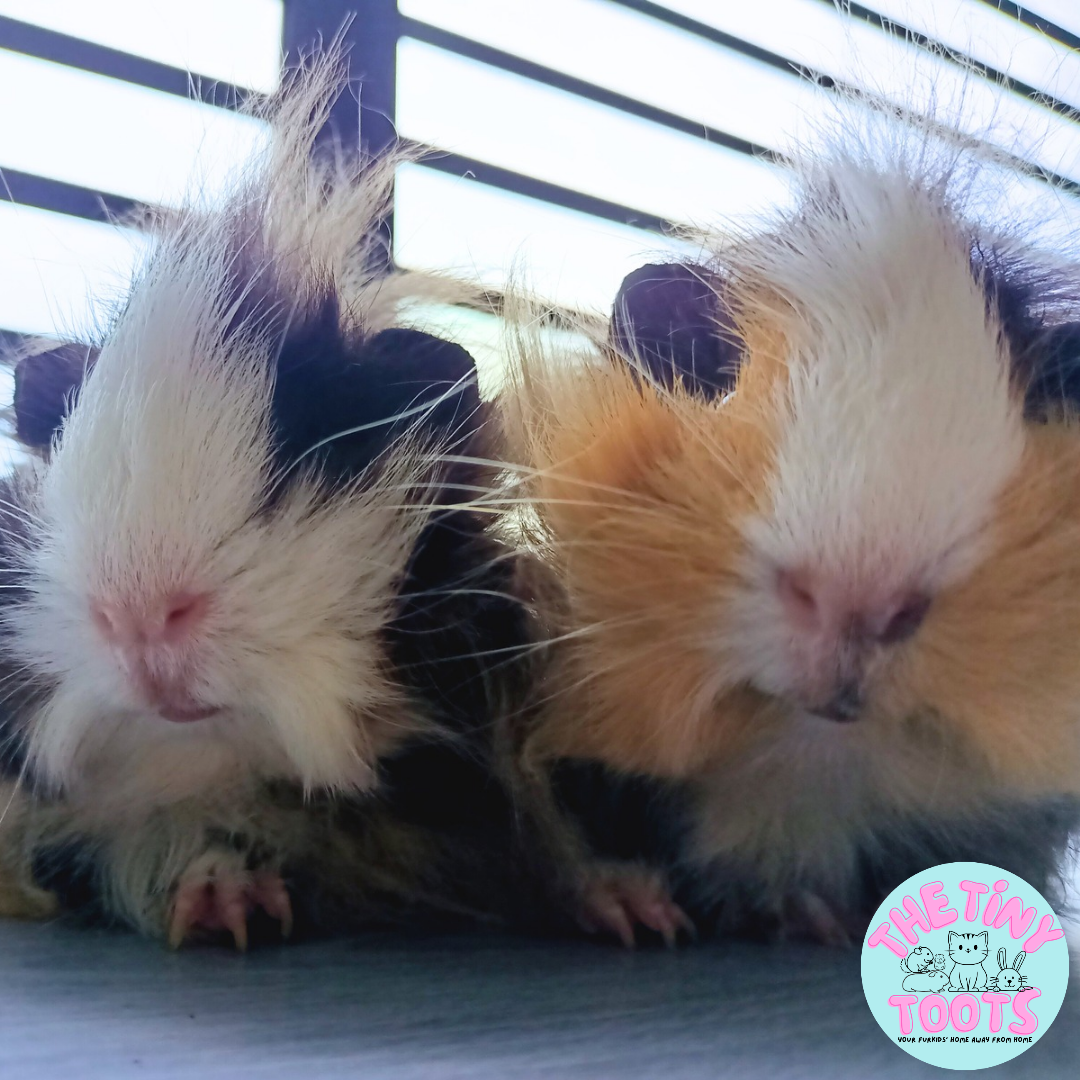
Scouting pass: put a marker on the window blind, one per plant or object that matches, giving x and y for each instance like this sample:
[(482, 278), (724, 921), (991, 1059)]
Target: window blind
[(106, 103), (575, 137)]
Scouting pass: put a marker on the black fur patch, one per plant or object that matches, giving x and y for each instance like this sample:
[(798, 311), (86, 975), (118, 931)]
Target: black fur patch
[(1054, 381), (1031, 840), (46, 387), (624, 818), (72, 872), (668, 320), (460, 632)]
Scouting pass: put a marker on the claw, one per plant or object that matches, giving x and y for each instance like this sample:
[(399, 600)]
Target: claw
[(619, 899), (217, 894), (606, 912), (177, 932), (668, 920), (234, 915), (270, 894), (185, 914)]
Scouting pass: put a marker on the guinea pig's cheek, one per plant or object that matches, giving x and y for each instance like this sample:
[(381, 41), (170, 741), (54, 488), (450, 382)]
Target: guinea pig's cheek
[(898, 693), (748, 634)]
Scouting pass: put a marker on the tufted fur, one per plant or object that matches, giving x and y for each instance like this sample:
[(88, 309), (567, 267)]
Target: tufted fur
[(900, 423), (254, 427)]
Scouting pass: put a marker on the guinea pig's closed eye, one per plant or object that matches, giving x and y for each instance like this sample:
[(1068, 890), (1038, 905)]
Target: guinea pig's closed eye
[(669, 322)]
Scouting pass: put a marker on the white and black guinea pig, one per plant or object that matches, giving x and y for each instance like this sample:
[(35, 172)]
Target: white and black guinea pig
[(242, 580), (815, 511)]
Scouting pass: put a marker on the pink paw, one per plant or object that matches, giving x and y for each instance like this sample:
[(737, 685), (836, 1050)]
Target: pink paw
[(617, 900), (217, 893)]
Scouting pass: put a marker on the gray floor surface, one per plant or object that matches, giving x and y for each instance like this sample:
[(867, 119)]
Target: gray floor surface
[(78, 1003)]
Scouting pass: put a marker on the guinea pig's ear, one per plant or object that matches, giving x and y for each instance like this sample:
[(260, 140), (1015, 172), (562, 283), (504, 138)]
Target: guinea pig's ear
[(425, 381), (670, 322), (46, 386), (342, 405), (424, 384), (1052, 367)]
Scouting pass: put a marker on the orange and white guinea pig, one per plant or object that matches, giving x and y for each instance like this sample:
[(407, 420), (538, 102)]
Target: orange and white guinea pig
[(815, 513)]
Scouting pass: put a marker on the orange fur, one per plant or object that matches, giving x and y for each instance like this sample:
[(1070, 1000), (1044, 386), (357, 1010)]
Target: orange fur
[(641, 495), (998, 661), (841, 603)]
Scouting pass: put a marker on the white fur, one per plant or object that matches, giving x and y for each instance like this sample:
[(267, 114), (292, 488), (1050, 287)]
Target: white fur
[(156, 486), (799, 807), (897, 431), (897, 426)]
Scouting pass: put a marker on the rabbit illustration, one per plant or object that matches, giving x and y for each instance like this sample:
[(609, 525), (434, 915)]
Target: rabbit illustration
[(1009, 978)]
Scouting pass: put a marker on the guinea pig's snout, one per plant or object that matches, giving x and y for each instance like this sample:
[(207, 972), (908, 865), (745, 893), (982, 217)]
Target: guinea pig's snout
[(169, 620), (835, 628), (824, 605), (154, 641)]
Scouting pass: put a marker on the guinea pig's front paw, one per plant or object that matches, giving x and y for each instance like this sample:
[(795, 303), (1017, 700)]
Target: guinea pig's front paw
[(217, 894), (617, 899)]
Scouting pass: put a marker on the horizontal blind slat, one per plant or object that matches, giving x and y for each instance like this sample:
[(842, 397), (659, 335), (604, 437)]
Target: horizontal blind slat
[(483, 113), (238, 41), (446, 224)]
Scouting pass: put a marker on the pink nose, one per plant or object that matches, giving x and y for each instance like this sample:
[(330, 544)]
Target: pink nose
[(824, 606), (168, 620)]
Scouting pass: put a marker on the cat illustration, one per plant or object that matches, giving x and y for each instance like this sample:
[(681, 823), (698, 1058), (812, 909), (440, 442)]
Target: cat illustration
[(924, 977), (968, 953)]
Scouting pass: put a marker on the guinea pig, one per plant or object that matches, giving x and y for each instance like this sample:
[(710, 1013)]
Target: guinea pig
[(814, 509), (244, 581)]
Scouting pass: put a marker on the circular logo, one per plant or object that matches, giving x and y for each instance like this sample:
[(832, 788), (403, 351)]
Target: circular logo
[(965, 965)]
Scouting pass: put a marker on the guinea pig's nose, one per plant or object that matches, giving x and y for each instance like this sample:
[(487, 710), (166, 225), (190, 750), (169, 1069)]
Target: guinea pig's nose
[(826, 605), (900, 620), (166, 620)]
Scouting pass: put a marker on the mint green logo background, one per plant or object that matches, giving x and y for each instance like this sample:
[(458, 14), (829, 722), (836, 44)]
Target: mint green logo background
[(1047, 968)]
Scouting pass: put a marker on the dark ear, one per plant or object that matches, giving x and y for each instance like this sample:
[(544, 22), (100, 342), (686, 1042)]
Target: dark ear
[(1022, 298), (425, 380), (46, 386), (1052, 366), (669, 321), (342, 406), (424, 384)]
